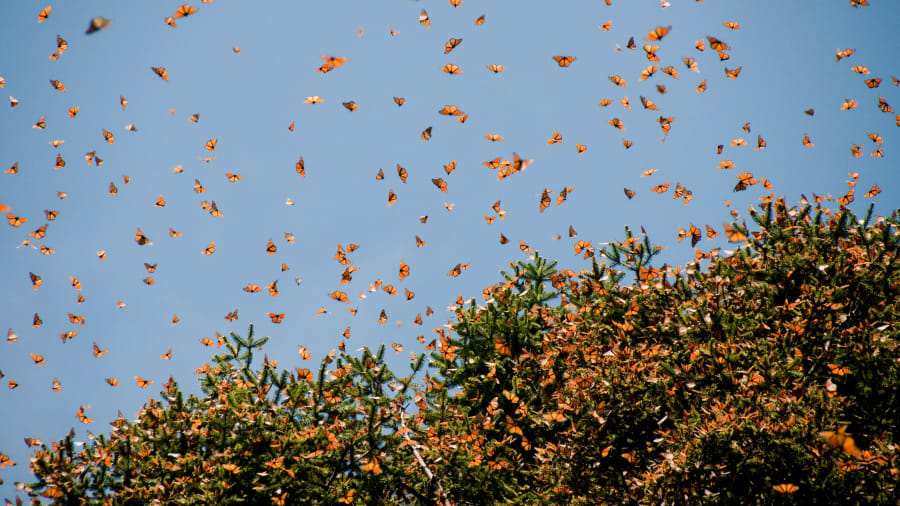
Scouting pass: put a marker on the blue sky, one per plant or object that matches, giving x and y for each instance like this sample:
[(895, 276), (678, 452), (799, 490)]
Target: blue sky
[(246, 100)]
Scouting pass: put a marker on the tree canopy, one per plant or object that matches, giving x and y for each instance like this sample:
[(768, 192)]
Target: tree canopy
[(770, 375)]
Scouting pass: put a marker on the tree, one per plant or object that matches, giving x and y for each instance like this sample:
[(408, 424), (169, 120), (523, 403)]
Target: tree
[(767, 376)]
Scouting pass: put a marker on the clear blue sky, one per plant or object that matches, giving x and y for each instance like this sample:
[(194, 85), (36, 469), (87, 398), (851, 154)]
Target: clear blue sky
[(246, 100)]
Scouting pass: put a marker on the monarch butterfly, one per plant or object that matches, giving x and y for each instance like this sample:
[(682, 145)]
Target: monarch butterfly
[(671, 71), (389, 289), (617, 80), (451, 69), (495, 68), (545, 199), (175, 319), (313, 100), (399, 101), (580, 148), (651, 52), (38, 359), (44, 14), (161, 72), (339, 296), (786, 488), (57, 84), (873, 83), (807, 142), (450, 167), (617, 123), (113, 382), (271, 248), (658, 33), (480, 20), (745, 180), (382, 317), (493, 137), (848, 104), (423, 19), (426, 134), (141, 382), (41, 123), (60, 163), (455, 3), (606, 26), (732, 73), (141, 239), (564, 61), (648, 72), (450, 110), (167, 355), (840, 439), (276, 318), (555, 139), (875, 190), (884, 106), (273, 291), (209, 250), (184, 10), (451, 44), (648, 104), (350, 106), (563, 194), (661, 188)]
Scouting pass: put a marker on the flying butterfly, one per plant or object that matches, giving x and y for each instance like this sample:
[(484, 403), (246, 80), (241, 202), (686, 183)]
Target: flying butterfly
[(564, 61)]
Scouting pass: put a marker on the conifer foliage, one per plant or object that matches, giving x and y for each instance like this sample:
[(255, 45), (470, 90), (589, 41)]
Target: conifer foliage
[(768, 376)]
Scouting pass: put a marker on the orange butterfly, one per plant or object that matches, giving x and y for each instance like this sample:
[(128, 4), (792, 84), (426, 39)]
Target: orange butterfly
[(210, 249), (555, 139), (301, 167), (420, 242), (423, 19), (617, 123), (167, 355), (617, 80), (480, 20), (313, 100), (786, 488), (564, 61), (493, 137), (161, 72), (806, 141), (141, 382), (495, 68), (658, 33), (113, 382), (339, 296), (44, 14), (426, 134), (184, 10), (451, 44), (399, 101), (451, 69), (276, 318), (732, 73), (350, 106)]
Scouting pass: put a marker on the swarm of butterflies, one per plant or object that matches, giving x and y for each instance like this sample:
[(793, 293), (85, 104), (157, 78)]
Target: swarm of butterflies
[(35, 232)]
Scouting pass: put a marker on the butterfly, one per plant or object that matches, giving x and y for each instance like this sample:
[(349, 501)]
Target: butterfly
[(184, 10), (350, 106), (423, 19), (426, 134), (564, 61), (745, 180), (57, 85), (450, 110), (141, 382), (271, 248), (648, 72), (38, 359), (313, 100), (339, 296), (161, 72), (402, 173), (175, 319), (493, 137), (304, 352), (276, 318), (399, 101), (658, 33), (451, 69), (231, 316), (480, 20), (617, 123), (495, 68), (44, 14), (619, 81), (98, 23), (451, 44), (580, 148), (167, 355), (450, 167), (420, 242), (113, 382), (301, 167), (807, 142), (441, 184), (210, 249), (732, 73), (786, 488), (555, 139)]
